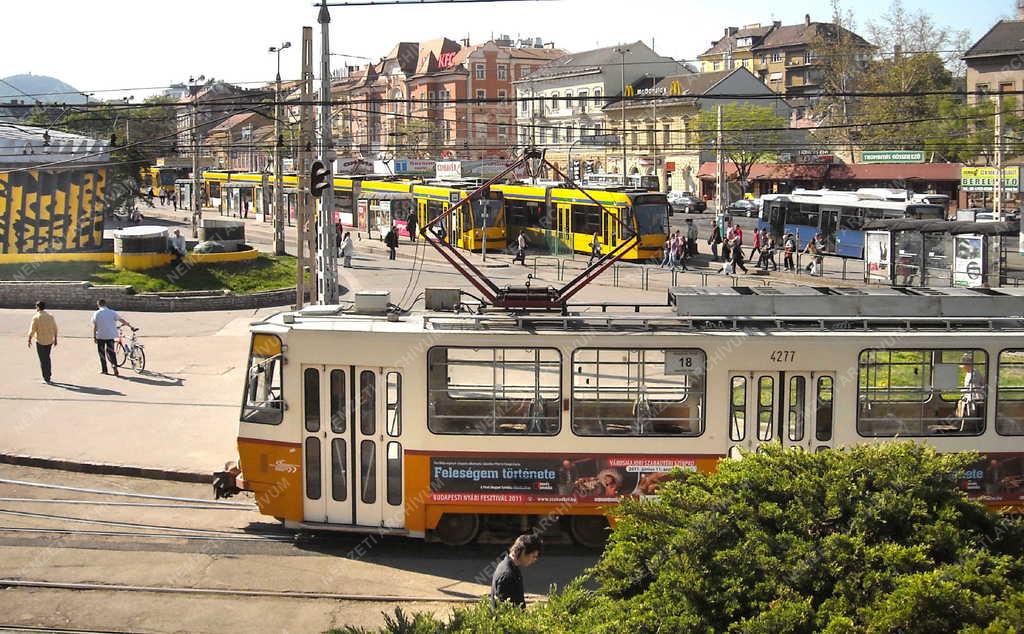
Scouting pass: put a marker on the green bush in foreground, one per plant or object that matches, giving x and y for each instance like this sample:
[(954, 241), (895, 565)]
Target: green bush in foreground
[(871, 539)]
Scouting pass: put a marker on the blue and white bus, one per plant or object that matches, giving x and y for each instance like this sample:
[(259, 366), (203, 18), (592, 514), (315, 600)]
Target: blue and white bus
[(840, 215)]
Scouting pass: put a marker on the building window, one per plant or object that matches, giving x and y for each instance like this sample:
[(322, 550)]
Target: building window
[(744, 42), (763, 59), (524, 105), (717, 65), (481, 130), (921, 392), (502, 96), (776, 57), (636, 392), (503, 132), (597, 129), (554, 135), (667, 134), (513, 391), (583, 101), (480, 71), (597, 98), (568, 134), (1006, 86), (481, 94), (503, 72), (431, 96), (555, 105), (524, 71)]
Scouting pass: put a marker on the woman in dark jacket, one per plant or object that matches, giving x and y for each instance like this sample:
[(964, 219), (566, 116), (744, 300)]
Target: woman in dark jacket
[(391, 242)]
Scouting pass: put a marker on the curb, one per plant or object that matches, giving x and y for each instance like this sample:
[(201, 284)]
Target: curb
[(106, 468)]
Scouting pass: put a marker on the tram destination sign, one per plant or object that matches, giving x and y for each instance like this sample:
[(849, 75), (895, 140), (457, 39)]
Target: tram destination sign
[(983, 179), (892, 156)]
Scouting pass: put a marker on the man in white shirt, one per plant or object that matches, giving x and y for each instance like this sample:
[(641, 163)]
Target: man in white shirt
[(178, 246), (104, 329)]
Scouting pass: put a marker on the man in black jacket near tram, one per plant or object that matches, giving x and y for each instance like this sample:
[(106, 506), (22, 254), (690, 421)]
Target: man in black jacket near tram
[(507, 582)]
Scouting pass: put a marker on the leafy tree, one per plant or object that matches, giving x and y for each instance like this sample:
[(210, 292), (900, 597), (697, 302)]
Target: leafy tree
[(868, 539), (751, 134)]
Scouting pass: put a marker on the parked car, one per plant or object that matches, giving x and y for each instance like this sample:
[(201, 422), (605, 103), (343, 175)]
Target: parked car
[(686, 202), (744, 207)]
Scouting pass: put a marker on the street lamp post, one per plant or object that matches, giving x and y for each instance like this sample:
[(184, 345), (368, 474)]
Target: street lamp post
[(278, 167), (621, 50), (196, 198)]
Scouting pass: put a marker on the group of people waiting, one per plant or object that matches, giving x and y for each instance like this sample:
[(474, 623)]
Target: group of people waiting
[(765, 247)]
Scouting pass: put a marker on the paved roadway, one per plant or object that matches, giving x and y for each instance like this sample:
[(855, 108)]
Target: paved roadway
[(62, 543)]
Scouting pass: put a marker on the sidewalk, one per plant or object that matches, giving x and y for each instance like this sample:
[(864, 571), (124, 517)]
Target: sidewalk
[(260, 234)]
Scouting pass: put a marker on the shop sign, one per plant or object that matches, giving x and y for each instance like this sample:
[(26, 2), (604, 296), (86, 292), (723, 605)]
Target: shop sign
[(892, 156), (448, 169), (983, 179)]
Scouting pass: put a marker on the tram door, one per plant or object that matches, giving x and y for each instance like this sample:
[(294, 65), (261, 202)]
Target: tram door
[(791, 409), (352, 453)]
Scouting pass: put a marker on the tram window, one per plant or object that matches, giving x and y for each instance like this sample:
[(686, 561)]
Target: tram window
[(586, 219), (312, 446), (368, 471), (823, 410), (1010, 394), (797, 407), (765, 408), (494, 391), (339, 470), (263, 402), (638, 392), (394, 467), (738, 409), (394, 404), (338, 401), (367, 402), (921, 392), (434, 209), (311, 398)]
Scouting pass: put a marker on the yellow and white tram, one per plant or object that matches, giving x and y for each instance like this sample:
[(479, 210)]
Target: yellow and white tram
[(434, 423)]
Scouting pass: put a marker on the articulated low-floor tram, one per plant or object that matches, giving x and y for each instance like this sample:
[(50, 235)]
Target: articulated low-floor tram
[(436, 422)]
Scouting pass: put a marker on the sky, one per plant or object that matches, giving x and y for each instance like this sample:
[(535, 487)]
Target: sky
[(123, 44)]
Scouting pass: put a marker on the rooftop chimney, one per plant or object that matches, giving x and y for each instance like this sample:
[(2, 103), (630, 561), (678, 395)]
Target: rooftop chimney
[(807, 19)]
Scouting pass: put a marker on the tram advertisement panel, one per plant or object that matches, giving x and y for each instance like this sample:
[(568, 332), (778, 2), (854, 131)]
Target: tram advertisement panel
[(997, 477), (518, 479)]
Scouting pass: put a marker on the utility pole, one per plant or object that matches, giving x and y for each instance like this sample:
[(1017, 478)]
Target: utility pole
[(305, 143), (622, 80), (278, 166), (327, 248), (722, 193), (196, 198), (997, 189)]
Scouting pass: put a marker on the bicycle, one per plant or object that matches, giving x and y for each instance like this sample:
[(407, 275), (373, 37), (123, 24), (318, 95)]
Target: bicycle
[(129, 349)]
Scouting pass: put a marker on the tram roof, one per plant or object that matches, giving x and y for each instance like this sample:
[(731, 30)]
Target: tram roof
[(706, 309)]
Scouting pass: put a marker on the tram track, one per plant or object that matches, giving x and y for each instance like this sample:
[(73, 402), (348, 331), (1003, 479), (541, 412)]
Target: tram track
[(10, 627), (236, 592)]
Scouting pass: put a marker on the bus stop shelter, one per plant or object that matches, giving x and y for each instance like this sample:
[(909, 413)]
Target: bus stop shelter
[(905, 252)]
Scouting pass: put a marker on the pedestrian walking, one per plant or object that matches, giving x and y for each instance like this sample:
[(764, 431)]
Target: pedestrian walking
[(758, 244), (679, 255), (769, 246), (520, 249), (391, 242), (691, 238), (104, 332), (411, 225), (507, 582), (44, 330), (788, 249), (666, 253), (346, 250), (714, 240), (727, 237), (174, 200), (595, 249), (814, 248), (737, 253)]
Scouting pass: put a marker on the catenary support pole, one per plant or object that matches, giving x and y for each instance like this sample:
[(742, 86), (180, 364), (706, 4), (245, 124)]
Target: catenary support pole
[(327, 249)]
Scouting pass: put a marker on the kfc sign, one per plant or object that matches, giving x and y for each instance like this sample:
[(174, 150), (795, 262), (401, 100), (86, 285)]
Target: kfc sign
[(446, 60)]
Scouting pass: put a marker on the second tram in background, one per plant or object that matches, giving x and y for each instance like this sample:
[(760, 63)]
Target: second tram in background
[(552, 216)]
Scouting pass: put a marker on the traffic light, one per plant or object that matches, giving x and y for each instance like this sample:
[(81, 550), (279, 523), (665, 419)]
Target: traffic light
[(319, 178)]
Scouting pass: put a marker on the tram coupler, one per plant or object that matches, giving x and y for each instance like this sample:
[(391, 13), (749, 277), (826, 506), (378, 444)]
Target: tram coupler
[(225, 483)]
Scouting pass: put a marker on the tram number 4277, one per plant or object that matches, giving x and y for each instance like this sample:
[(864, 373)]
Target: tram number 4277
[(783, 356)]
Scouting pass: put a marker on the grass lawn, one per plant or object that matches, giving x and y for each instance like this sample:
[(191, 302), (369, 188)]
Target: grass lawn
[(268, 272)]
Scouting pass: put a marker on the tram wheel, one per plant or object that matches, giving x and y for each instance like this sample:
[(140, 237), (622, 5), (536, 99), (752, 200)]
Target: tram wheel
[(589, 530), (458, 529)]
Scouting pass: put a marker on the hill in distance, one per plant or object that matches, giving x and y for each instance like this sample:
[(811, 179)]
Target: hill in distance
[(45, 89)]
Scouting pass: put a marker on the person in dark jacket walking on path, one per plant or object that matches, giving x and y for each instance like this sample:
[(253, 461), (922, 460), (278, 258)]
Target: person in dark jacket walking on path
[(507, 582), (411, 226), (391, 242)]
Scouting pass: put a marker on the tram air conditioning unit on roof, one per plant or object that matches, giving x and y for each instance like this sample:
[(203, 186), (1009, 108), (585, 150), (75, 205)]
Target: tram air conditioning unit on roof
[(372, 302)]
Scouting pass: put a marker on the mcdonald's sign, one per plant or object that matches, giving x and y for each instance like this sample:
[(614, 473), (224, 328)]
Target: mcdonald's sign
[(675, 88), (629, 92)]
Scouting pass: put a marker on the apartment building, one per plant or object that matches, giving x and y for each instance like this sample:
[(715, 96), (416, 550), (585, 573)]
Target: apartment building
[(564, 100), (996, 61), (781, 56), (438, 98), (211, 105)]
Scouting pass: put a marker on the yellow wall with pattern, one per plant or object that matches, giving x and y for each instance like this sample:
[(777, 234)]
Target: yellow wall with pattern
[(43, 211)]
